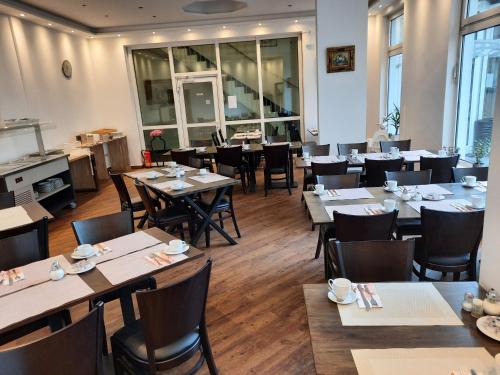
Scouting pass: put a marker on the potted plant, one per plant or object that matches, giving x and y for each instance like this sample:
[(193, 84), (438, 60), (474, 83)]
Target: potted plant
[(392, 120), (482, 148)]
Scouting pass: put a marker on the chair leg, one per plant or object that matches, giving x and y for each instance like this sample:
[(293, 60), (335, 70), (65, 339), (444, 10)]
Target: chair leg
[(180, 227), (265, 182), (318, 246), (220, 220), (243, 180), (421, 273), (233, 217), (207, 236), (288, 182), (207, 350), (456, 276), (143, 220)]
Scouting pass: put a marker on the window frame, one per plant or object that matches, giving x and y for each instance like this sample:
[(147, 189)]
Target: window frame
[(394, 50)]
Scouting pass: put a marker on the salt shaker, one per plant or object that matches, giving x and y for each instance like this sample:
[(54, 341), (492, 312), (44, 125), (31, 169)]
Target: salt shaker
[(177, 172), (418, 196), (491, 304), (477, 308), (405, 195), (467, 302), (56, 271)]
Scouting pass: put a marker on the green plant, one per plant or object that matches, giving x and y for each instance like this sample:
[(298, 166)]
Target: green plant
[(392, 119), (482, 148)]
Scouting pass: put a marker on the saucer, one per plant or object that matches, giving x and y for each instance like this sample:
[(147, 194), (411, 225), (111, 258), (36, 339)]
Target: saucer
[(175, 252), (76, 255), (153, 177), (483, 324), (430, 197), (318, 193), (465, 185), (178, 188), (85, 267), (390, 190), (350, 298), (475, 208)]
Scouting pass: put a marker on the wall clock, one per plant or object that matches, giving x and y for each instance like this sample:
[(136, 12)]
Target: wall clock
[(67, 69)]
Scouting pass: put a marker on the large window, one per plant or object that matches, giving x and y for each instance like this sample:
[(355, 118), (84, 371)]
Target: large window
[(479, 6), (394, 67)]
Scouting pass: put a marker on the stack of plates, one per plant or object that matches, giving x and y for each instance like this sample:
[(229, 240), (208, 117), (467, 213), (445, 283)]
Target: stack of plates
[(56, 182), (45, 187)]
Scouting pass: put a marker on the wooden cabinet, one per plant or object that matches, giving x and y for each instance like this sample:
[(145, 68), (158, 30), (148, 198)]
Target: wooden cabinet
[(113, 154)]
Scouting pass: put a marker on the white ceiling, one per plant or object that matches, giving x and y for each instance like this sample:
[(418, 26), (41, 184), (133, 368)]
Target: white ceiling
[(107, 15)]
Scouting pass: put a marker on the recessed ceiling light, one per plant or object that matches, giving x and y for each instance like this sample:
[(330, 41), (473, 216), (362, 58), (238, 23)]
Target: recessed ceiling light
[(119, 35), (91, 37), (224, 26), (154, 32), (214, 6), (22, 14), (72, 31), (296, 21), (189, 29), (49, 24), (260, 23), (380, 5)]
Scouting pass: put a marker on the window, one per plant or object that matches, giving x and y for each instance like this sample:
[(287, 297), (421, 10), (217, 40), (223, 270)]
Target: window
[(194, 58), (478, 6), (396, 31), (478, 86), (394, 67)]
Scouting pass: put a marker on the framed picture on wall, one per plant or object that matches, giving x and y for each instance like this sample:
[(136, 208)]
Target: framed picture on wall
[(340, 59)]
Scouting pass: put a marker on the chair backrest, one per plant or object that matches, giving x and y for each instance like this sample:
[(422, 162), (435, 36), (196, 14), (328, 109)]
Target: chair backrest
[(121, 188), (459, 232), (276, 138), (374, 261), (342, 181), (7, 200), (345, 148), (226, 170), (410, 177), (316, 150), (182, 156), (231, 155), (364, 227), (201, 142), (237, 141), (441, 168), (172, 312), (196, 163), (329, 169), (404, 145), (222, 140), (146, 198), (375, 170), (102, 228), (480, 172), (26, 244), (61, 352), (215, 139), (276, 156)]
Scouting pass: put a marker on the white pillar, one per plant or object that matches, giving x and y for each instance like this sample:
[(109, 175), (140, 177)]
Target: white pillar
[(342, 96)]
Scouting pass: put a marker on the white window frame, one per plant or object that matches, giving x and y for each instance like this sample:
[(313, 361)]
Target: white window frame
[(394, 50)]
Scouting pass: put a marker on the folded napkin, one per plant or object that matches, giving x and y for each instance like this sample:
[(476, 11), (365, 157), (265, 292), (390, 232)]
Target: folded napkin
[(370, 294), (11, 276)]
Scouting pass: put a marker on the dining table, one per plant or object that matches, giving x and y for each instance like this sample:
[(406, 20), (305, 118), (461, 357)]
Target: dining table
[(336, 344), (193, 184), (37, 296), (23, 214)]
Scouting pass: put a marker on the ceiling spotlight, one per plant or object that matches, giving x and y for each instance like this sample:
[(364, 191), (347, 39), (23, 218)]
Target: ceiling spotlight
[(380, 5), (22, 14), (119, 35), (224, 26), (91, 37), (72, 31), (189, 29), (214, 6), (296, 21), (49, 24), (260, 23), (154, 32)]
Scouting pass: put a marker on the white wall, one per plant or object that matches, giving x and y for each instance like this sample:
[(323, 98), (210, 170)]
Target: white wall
[(32, 85), (431, 30), (489, 276), (342, 96)]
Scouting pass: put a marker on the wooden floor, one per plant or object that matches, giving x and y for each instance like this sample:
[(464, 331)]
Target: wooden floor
[(256, 313)]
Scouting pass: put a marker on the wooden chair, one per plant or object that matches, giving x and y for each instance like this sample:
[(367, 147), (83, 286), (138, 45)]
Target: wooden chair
[(215, 139), (449, 242), (171, 217), (481, 173), (346, 148), (345, 181), (221, 136), (276, 139), (233, 156), (182, 156), (374, 261), (328, 169), (7, 200), (409, 178), (277, 162), (404, 145), (201, 143), (225, 208), (21, 246), (359, 228), (128, 204), (441, 168), (206, 159), (75, 349), (314, 150), (375, 170), (172, 329)]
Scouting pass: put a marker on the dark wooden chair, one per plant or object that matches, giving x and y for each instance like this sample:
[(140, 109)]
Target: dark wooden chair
[(350, 228), (314, 150), (409, 178), (196, 163), (277, 163), (441, 168), (7, 200), (19, 247), (201, 142), (449, 243), (374, 261), (215, 139), (328, 169), (276, 139), (481, 173), (225, 208), (221, 136), (182, 156), (171, 217), (404, 145), (375, 170), (206, 159), (346, 148), (75, 349), (233, 156), (172, 329), (128, 204)]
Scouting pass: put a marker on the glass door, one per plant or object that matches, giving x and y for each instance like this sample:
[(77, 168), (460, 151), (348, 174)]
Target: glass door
[(199, 109)]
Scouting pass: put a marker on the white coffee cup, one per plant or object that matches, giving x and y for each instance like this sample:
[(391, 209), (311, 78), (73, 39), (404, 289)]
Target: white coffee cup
[(354, 152), (394, 150), (477, 201), (391, 185), (306, 155), (203, 171), (442, 153), (177, 245), (470, 180), (84, 249), (171, 164), (319, 188), (246, 146), (389, 205), (340, 287)]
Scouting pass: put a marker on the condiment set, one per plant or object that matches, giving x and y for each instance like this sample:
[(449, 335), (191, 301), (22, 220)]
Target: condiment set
[(56, 271), (478, 307)]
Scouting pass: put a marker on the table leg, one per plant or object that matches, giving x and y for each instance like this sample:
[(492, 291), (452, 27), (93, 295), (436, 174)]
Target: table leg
[(207, 216), (294, 183), (127, 305), (252, 165)]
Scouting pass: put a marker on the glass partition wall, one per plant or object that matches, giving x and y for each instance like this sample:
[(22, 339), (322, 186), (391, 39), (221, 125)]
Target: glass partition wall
[(185, 93)]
